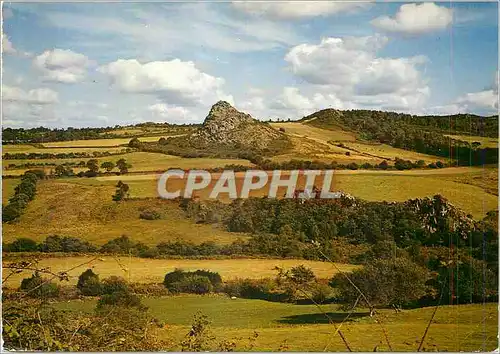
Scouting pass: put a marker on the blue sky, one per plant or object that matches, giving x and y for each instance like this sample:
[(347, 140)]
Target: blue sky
[(102, 64)]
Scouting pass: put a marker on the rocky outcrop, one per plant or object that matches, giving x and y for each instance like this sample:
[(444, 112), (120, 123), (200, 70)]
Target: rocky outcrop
[(225, 125)]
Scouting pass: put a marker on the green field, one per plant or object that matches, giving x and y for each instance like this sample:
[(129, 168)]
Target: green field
[(146, 270), (305, 328)]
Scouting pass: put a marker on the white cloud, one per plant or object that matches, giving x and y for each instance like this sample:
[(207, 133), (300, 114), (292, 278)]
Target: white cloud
[(170, 113), (350, 69), (416, 19), (39, 96), (486, 100), (7, 46), (173, 81), (64, 66), (296, 9), (29, 108)]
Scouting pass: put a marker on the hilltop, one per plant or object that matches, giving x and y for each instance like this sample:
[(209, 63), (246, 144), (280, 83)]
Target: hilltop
[(225, 125)]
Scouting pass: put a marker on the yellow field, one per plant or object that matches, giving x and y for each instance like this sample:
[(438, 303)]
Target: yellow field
[(467, 188), (304, 130), (88, 212), (32, 149), (8, 186), (101, 142), (145, 270), (140, 161), (484, 140), (312, 143), (388, 152)]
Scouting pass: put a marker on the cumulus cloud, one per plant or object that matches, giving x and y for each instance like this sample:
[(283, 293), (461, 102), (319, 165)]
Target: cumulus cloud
[(172, 114), (296, 9), (39, 96), (416, 19), (63, 66), (172, 81), (483, 100), (350, 69)]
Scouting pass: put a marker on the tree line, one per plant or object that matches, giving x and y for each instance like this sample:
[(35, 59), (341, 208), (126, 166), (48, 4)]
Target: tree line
[(24, 192)]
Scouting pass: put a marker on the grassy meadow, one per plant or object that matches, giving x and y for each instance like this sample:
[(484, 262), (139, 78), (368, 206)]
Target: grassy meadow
[(304, 327)]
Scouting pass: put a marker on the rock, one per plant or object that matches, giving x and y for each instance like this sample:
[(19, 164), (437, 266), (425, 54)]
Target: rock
[(225, 125)]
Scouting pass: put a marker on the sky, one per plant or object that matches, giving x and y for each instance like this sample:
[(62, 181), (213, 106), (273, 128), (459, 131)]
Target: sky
[(107, 64)]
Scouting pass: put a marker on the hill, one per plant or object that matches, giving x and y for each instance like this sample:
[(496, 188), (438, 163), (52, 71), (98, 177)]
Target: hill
[(227, 126), (420, 134)]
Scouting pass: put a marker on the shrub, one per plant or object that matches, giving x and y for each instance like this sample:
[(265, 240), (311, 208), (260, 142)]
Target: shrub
[(250, 288), (149, 215), (22, 245), (38, 287), (114, 284), (89, 284), (179, 275), (321, 293), (173, 277), (196, 284), (385, 282), (120, 298)]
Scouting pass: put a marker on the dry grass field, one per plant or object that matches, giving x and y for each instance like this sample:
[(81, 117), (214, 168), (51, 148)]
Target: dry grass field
[(140, 161), (145, 270), (304, 130), (24, 148), (102, 142), (312, 143), (88, 212), (471, 189), (483, 140)]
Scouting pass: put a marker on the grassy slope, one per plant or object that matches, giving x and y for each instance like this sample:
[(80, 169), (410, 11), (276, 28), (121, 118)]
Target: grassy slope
[(88, 212), (472, 189), (145, 270), (312, 142), (304, 328)]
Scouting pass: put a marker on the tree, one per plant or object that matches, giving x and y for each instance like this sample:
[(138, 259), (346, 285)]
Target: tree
[(123, 166), (386, 282), (108, 166), (195, 284), (11, 212), (92, 165), (134, 143), (121, 192), (89, 284)]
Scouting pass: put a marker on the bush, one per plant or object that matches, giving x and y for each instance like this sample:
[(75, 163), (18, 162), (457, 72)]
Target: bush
[(196, 284), (173, 277), (114, 284), (321, 293), (11, 212), (89, 284), (250, 288), (120, 298), (22, 245), (38, 287), (150, 215), (179, 275)]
